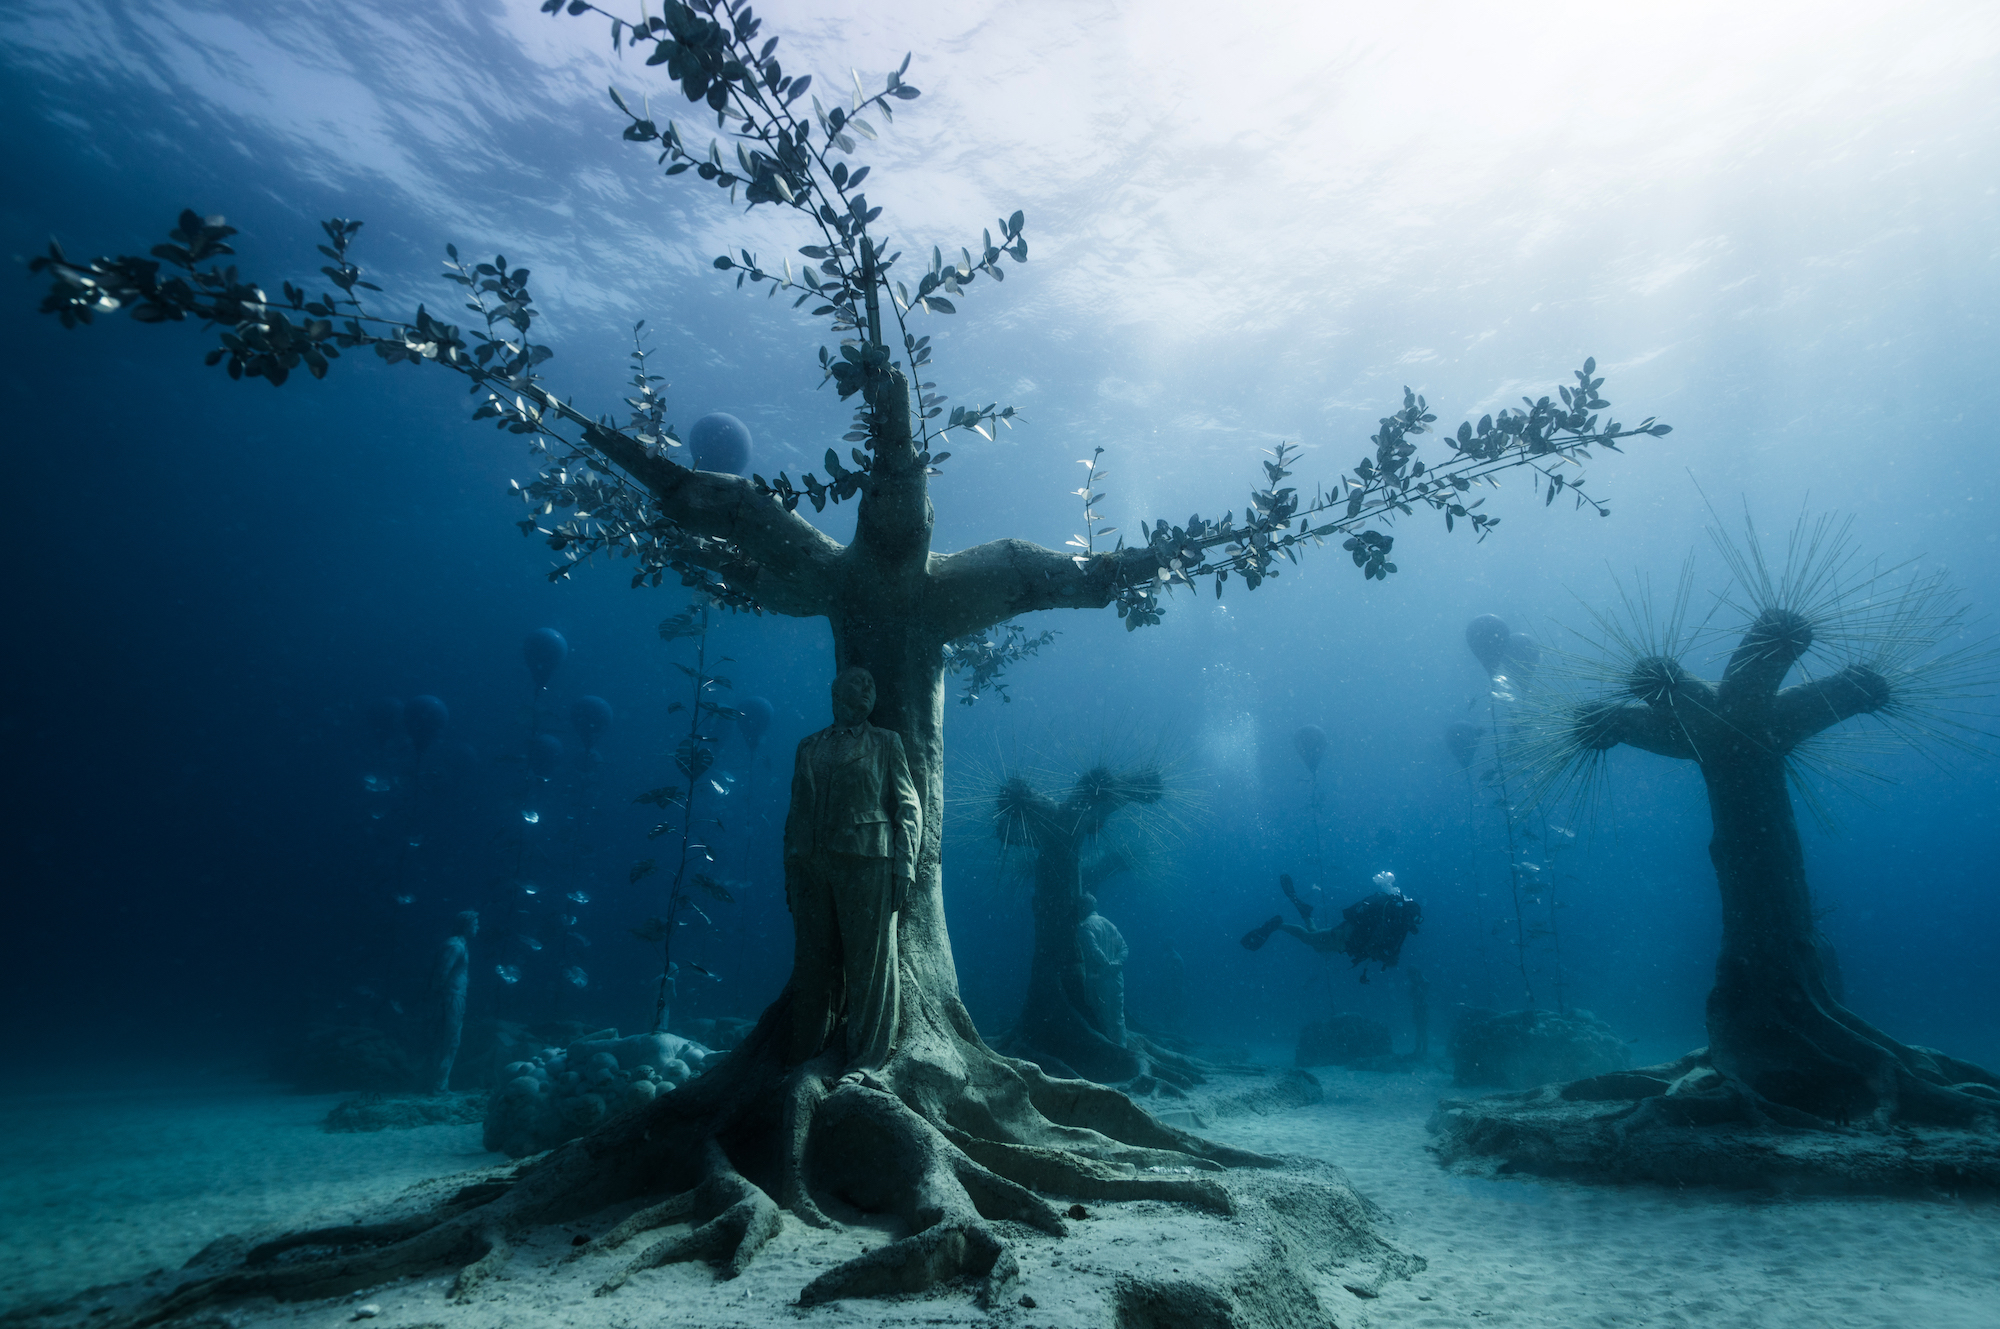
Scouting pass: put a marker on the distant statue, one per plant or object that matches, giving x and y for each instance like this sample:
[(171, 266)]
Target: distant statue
[(851, 841), (1369, 929), (1104, 954), (448, 998)]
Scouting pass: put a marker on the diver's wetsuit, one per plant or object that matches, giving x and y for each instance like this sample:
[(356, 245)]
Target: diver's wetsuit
[(1369, 929)]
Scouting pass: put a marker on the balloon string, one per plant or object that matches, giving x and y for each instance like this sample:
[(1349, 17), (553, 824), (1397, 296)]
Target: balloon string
[(1513, 856)]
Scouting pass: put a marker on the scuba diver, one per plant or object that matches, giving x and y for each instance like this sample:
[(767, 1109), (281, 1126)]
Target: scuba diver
[(1369, 929)]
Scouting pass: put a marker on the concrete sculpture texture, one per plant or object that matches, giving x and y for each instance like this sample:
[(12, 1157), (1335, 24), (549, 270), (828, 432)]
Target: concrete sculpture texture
[(851, 843)]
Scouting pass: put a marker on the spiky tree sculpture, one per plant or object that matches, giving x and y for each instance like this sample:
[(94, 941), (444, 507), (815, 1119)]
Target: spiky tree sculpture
[(1058, 1029), (1854, 646), (948, 1134)]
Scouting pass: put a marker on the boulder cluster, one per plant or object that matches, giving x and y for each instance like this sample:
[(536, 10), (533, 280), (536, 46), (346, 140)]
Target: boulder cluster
[(562, 1092)]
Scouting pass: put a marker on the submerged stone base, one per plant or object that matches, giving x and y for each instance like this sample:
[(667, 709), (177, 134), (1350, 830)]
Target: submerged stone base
[(1298, 1253), (1298, 1249), (1677, 1124)]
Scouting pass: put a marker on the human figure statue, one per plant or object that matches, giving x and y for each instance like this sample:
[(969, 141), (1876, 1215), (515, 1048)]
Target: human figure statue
[(1104, 954), (454, 966), (851, 843), (1370, 929)]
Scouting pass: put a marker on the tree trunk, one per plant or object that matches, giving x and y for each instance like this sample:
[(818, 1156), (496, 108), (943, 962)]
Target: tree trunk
[(1773, 1025)]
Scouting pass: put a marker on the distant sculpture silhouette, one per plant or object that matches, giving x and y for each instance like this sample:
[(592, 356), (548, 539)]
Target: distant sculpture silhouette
[(448, 983), (1104, 954)]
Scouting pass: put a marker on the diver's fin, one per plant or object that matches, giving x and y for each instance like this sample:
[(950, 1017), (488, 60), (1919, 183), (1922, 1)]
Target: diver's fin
[(1305, 910), (1254, 939)]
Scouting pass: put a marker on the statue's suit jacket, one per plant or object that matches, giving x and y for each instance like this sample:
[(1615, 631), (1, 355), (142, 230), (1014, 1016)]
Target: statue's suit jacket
[(871, 806)]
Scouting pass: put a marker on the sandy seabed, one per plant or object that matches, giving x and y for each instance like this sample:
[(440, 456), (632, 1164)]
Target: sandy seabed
[(103, 1186)]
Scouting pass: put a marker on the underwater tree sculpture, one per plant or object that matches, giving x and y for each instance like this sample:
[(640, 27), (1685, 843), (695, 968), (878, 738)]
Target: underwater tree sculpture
[(1058, 1028), (1785, 1047), (948, 1134)]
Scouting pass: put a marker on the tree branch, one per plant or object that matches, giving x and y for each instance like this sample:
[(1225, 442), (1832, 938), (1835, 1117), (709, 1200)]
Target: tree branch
[(1770, 647), (1648, 728), (976, 588), (788, 565), (1804, 709)]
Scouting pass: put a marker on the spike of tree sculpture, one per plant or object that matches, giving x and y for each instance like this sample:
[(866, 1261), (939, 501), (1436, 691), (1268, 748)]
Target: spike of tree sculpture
[(1776, 1033), (1058, 1029), (949, 1134)]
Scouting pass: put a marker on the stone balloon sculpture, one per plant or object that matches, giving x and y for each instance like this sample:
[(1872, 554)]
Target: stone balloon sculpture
[(721, 443), (544, 651), (1524, 654), (544, 756), (1310, 740), (424, 718), (590, 717), (1488, 637), (1461, 739)]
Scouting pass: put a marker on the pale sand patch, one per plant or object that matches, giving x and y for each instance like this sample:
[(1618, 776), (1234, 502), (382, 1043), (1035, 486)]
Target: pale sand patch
[(99, 1186), (1543, 1253), (110, 1186)]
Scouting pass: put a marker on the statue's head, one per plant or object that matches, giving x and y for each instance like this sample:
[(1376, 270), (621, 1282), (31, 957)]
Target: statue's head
[(468, 924), (853, 695), (1086, 904)]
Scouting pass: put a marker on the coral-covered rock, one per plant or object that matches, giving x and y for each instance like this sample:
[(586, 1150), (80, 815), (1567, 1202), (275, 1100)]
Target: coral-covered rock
[(560, 1093)]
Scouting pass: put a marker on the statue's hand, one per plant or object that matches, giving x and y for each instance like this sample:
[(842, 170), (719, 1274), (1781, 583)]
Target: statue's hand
[(899, 892)]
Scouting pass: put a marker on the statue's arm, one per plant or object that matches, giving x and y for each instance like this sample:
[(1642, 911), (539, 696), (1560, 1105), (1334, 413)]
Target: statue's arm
[(786, 564), (800, 807), (450, 959), (976, 588), (1648, 728), (1804, 709), (906, 813)]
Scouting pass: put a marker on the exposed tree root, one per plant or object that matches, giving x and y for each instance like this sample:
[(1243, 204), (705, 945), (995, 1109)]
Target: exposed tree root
[(948, 1138), (1138, 1067), (1687, 1122), (733, 1221), (1785, 1040)]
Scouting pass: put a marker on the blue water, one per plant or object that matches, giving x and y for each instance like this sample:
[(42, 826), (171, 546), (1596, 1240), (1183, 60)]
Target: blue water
[(1773, 232)]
